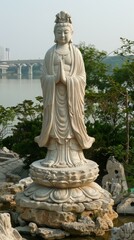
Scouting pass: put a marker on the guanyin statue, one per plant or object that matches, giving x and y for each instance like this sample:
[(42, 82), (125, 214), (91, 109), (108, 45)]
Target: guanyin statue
[(63, 84)]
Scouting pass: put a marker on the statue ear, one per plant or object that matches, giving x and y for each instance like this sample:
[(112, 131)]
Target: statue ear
[(55, 40)]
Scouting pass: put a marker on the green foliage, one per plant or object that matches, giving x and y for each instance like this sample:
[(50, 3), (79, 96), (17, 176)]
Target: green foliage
[(7, 115), (29, 124), (27, 110), (94, 66), (127, 47), (129, 170), (118, 151), (109, 106), (23, 140)]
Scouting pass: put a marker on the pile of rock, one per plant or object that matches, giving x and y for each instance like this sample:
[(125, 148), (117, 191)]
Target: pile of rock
[(9, 161), (8, 191), (6, 230)]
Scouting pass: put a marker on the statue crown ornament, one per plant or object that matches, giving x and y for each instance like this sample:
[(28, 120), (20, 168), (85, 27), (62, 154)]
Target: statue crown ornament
[(63, 17)]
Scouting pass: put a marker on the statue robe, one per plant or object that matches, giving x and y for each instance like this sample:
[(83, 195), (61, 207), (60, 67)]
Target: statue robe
[(75, 84)]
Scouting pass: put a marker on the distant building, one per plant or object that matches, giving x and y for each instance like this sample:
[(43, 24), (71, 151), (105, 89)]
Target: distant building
[(1, 53)]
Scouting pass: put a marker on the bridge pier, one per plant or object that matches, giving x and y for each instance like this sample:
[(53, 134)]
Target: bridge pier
[(19, 67), (4, 71), (30, 70), (4, 68)]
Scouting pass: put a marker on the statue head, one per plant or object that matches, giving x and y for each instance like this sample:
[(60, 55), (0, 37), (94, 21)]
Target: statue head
[(63, 23)]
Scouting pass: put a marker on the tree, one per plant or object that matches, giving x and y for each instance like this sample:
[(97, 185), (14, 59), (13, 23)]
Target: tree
[(29, 116), (127, 47), (7, 115), (109, 105), (126, 79), (95, 67)]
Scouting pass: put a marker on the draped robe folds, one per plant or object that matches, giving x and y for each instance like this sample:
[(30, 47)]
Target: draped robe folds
[(75, 85)]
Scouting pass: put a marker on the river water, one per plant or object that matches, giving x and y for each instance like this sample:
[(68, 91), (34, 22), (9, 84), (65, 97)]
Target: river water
[(15, 91)]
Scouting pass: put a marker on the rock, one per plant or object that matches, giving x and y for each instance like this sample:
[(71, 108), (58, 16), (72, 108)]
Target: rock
[(51, 208), (2, 176), (4, 187), (6, 230), (26, 181), (33, 228), (23, 230), (10, 166), (125, 232), (21, 222), (79, 228), (87, 220), (44, 232), (73, 207), (104, 223), (115, 180), (12, 177), (49, 218), (127, 205), (93, 205), (6, 198), (7, 153), (6, 150), (20, 171), (48, 233), (16, 188)]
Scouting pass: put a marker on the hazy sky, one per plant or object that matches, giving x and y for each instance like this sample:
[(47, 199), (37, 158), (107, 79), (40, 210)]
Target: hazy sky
[(26, 26)]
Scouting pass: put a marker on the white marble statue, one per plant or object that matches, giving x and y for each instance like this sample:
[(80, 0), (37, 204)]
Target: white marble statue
[(63, 194), (63, 85)]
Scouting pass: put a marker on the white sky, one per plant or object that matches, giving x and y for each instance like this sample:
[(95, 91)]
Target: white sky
[(26, 26)]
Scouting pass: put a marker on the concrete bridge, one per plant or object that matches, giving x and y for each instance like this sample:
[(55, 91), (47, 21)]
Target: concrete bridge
[(18, 64)]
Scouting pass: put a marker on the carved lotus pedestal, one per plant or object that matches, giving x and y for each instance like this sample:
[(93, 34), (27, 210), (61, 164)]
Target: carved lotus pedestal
[(67, 199)]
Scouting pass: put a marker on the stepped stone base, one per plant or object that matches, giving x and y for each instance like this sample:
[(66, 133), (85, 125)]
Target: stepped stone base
[(84, 210)]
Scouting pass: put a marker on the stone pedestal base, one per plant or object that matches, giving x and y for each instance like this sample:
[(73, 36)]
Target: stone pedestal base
[(64, 177), (78, 211)]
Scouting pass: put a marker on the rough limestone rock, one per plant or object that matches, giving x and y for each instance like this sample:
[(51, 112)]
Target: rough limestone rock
[(125, 232), (45, 233), (9, 189), (115, 180), (6, 230), (66, 209), (9, 162), (49, 233), (127, 205)]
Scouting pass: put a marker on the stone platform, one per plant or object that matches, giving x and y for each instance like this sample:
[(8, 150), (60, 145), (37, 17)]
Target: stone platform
[(84, 210)]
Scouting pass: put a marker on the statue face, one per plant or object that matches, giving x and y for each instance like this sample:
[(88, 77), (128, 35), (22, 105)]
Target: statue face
[(63, 34)]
